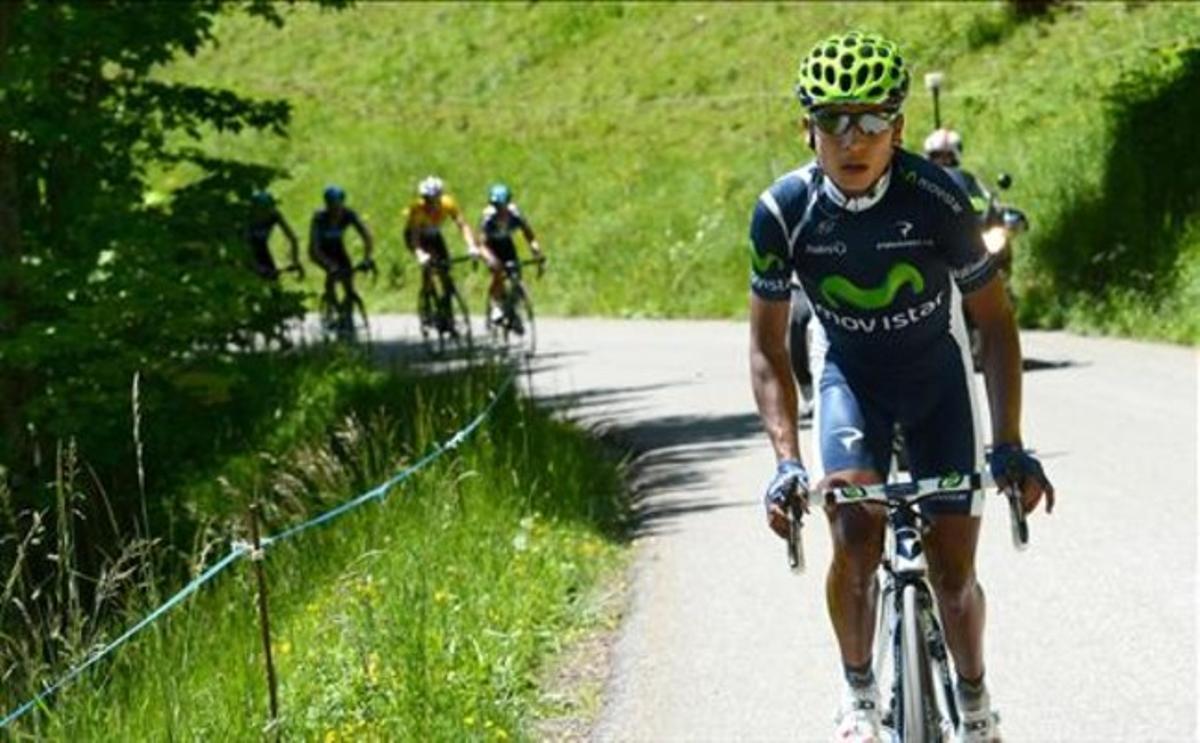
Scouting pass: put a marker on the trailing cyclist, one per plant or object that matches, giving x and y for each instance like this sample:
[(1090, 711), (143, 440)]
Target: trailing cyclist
[(327, 248), (264, 215), (500, 217), (944, 147), (423, 228), (883, 241)]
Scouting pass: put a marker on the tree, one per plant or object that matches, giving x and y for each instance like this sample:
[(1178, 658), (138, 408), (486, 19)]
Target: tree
[(96, 281)]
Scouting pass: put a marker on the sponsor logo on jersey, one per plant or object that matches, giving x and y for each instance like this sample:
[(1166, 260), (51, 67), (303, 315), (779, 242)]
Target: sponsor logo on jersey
[(905, 228), (835, 288), (771, 286), (942, 194), (837, 248), (764, 262), (889, 322), (826, 227)]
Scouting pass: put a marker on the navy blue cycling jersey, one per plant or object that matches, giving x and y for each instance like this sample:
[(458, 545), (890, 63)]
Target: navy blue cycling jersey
[(498, 226), (259, 230), (329, 230), (878, 268)]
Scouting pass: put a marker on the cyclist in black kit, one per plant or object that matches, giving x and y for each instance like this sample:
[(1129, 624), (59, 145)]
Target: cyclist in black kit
[(327, 249), (264, 215)]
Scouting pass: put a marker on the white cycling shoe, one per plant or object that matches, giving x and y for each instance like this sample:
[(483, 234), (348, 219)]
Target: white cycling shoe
[(980, 724), (859, 719)]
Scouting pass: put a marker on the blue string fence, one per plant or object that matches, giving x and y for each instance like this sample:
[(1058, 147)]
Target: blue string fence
[(241, 549)]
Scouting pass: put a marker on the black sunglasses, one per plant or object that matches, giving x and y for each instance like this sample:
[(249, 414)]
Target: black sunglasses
[(838, 123)]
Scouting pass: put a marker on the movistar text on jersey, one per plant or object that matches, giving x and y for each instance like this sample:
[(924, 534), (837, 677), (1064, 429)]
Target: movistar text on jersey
[(886, 323)]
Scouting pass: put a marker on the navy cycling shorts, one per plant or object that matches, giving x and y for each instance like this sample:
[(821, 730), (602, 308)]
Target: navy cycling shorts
[(857, 412)]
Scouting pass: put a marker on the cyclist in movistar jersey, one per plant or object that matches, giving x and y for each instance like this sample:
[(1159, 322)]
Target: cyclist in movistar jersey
[(327, 249), (423, 227), (500, 217), (883, 242), (264, 215)]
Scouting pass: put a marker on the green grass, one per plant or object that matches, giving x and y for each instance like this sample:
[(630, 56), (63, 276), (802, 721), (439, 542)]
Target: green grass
[(637, 136), (425, 617)]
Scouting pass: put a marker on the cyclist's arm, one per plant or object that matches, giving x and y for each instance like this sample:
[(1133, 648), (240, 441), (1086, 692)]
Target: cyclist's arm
[(771, 374), (770, 311), (1001, 357), (365, 234), (530, 238), (987, 303), (313, 241), (292, 240), (467, 235)]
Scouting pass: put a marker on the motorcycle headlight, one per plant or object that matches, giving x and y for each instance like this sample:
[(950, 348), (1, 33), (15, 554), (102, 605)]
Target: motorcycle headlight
[(994, 239)]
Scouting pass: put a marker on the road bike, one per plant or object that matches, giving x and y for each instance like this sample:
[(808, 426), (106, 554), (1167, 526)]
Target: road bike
[(442, 310), (922, 705), (337, 315), (516, 310)]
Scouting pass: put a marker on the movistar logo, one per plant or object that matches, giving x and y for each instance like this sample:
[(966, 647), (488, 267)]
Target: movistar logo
[(835, 288), (764, 263)]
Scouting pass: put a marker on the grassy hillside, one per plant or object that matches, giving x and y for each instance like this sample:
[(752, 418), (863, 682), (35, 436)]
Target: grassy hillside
[(427, 616), (637, 136)]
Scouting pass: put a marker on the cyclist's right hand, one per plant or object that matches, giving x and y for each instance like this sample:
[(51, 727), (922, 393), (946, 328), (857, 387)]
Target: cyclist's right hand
[(790, 479), (423, 258)]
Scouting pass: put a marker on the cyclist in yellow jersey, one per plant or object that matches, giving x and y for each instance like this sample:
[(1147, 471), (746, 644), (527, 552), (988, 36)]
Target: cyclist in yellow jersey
[(423, 228)]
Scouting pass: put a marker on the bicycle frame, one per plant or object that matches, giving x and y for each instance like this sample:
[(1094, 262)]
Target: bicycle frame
[(436, 304), (513, 297), (904, 567)]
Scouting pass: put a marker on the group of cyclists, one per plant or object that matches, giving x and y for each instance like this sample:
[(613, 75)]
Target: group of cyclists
[(425, 218), (887, 247)]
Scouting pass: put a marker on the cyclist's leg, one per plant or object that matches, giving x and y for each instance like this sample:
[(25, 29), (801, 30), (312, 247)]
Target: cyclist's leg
[(852, 447), (501, 251), (945, 437)]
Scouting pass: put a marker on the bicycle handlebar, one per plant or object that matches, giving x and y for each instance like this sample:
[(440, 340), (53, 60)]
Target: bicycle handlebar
[(907, 495)]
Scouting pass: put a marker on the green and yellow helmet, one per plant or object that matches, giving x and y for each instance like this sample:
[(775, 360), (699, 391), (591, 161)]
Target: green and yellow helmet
[(856, 67)]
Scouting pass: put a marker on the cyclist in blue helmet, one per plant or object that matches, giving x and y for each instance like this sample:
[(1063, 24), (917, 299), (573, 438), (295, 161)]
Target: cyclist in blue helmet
[(500, 218), (264, 215), (326, 246), (884, 243)]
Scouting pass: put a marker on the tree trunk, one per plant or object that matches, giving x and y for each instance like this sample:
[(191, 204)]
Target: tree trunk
[(11, 304)]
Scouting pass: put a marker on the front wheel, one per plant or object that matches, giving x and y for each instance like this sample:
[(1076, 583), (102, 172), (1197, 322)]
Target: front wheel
[(916, 684), (523, 323)]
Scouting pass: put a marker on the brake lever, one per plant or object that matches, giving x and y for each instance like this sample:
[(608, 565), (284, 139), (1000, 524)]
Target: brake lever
[(795, 542), (1016, 518)]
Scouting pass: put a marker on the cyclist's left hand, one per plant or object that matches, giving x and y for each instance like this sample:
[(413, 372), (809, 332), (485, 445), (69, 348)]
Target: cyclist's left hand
[(1012, 465)]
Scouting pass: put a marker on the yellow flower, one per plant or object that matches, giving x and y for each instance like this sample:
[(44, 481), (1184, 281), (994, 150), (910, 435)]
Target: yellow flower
[(469, 721), (331, 736), (283, 648), (441, 596), (373, 667)]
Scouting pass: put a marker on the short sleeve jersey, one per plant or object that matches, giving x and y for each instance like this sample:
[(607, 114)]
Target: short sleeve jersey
[(329, 230), (428, 222), (259, 230), (879, 277), (497, 225)]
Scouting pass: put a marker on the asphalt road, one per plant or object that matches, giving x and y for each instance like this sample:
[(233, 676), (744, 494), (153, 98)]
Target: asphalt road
[(1091, 631)]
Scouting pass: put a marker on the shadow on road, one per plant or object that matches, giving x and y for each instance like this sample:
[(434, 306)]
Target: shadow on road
[(1029, 364), (671, 454)]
